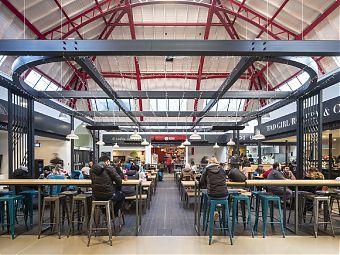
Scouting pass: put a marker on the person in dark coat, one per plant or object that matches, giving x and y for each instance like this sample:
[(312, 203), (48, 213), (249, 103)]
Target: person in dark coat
[(21, 173), (102, 176), (214, 179), (235, 175)]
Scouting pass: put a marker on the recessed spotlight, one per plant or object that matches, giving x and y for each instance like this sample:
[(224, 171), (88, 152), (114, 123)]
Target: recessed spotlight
[(334, 139)]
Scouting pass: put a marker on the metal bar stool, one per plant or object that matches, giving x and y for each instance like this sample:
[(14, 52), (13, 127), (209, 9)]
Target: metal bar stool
[(109, 212), (244, 201), (325, 200), (10, 201), (79, 206)]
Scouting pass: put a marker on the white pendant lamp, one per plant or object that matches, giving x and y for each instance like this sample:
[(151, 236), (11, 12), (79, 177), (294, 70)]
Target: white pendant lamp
[(186, 143), (195, 136), (72, 136), (62, 116), (231, 142), (145, 142), (216, 146), (100, 142), (135, 136), (181, 146), (258, 135), (116, 146)]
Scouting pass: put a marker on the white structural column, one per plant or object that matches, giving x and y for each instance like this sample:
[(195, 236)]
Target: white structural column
[(148, 154), (186, 154)]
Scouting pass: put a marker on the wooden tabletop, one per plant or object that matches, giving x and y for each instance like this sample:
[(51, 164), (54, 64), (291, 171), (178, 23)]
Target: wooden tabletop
[(146, 183), (292, 183), (188, 183), (86, 182)]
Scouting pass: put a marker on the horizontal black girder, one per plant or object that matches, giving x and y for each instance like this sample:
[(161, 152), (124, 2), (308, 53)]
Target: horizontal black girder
[(164, 113), (164, 94), (170, 47)]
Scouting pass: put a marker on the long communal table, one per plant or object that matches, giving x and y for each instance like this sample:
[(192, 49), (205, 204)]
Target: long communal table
[(65, 182), (263, 183)]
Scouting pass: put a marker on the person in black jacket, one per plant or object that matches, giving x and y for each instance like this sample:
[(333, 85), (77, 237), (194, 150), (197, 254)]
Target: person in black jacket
[(102, 176), (235, 175), (21, 173), (214, 179)]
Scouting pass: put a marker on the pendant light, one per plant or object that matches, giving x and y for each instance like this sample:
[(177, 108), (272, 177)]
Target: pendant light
[(116, 146), (181, 146), (186, 143), (216, 146), (145, 142), (135, 136), (100, 142), (258, 135), (72, 136), (195, 136), (62, 116), (231, 142)]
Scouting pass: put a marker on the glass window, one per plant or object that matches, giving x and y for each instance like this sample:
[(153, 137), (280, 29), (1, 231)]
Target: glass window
[(42, 84), (162, 105), (153, 104), (102, 105), (126, 102), (32, 78), (337, 61), (112, 105), (52, 87), (132, 104), (2, 59), (183, 104), (173, 104)]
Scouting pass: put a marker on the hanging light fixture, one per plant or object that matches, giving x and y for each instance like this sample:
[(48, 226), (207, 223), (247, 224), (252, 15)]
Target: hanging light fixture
[(145, 142), (258, 135), (72, 136), (151, 146), (266, 116), (135, 136), (181, 146), (216, 146), (100, 142), (195, 136), (186, 143), (62, 116), (116, 146), (231, 142)]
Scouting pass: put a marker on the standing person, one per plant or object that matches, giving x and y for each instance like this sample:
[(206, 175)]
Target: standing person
[(102, 176), (214, 179), (276, 174), (169, 164)]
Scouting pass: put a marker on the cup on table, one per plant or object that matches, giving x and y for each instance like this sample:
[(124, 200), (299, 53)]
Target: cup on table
[(125, 177)]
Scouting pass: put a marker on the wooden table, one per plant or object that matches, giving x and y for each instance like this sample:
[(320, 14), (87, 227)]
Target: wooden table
[(292, 183), (66, 182)]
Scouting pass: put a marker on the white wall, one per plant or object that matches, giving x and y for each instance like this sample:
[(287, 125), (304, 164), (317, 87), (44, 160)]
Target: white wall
[(201, 151), (122, 151), (4, 153), (48, 147)]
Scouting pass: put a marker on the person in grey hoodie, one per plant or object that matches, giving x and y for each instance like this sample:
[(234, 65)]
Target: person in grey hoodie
[(214, 178)]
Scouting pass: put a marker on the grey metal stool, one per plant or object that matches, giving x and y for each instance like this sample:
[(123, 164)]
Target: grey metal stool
[(109, 212), (325, 200), (79, 206), (54, 202)]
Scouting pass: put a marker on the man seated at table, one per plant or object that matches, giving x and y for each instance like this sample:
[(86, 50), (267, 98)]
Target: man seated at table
[(235, 175), (187, 174), (259, 170), (287, 173), (276, 174), (267, 172), (214, 179), (102, 176)]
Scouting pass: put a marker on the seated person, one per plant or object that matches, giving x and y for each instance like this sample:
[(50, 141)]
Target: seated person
[(214, 179), (21, 173), (312, 174), (235, 175), (102, 177), (130, 190), (276, 174), (266, 173), (287, 173), (118, 167), (259, 170), (193, 167), (186, 174)]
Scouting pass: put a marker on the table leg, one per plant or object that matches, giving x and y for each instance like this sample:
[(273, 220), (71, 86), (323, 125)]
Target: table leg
[(284, 206), (39, 203), (199, 211), (137, 209), (195, 207), (296, 223)]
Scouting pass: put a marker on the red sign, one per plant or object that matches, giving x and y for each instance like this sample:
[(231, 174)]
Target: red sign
[(168, 138)]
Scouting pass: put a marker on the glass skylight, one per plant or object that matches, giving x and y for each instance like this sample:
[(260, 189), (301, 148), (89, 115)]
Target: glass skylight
[(294, 83), (168, 104), (2, 59)]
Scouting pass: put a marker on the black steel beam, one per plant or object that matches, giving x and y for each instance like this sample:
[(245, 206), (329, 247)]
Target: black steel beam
[(172, 124), (239, 69), (163, 94), (170, 47), (165, 113), (91, 69)]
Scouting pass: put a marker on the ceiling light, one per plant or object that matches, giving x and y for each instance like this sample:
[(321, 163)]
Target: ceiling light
[(195, 136), (216, 146), (100, 142), (116, 146), (62, 116), (72, 136), (258, 135), (145, 142), (266, 116), (83, 124), (181, 146), (151, 146), (135, 136), (334, 139), (186, 143), (231, 142)]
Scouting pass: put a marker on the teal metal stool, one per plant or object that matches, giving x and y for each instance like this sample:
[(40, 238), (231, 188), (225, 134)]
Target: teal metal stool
[(28, 206), (10, 201), (258, 196), (266, 199), (244, 201), (204, 207), (225, 223)]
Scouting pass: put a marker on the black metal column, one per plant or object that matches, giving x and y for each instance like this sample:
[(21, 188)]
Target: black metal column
[(330, 155), (238, 142), (320, 122), (10, 134), (259, 143), (299, 139), (30, 136), (94, 140), (72, 144), (286, 151)]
